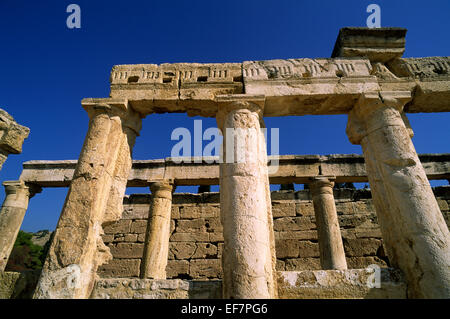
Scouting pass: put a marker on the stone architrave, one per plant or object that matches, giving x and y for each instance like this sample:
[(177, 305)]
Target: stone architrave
[(12, 136), (77, 250), (156, 250), (12, 213), (248, 259), (332, 254), (415, 234)]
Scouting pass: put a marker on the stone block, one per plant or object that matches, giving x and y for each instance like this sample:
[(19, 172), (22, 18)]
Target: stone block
[(216, 237), (298, 264), (363, 262), (127, 250), (213, 224), (344, 207), (175, 212), (138, 226), (117, 268), (176, 268), (190, 211), (108, 238), (122, 226), (443, 205), (182, 250), (288, 248), (205, 251), (193, 237), (191, 225), (285, 224), (361, 247), (283, 209), (304, 209), (209, 268), (280, 265), (302, 234), (308, 249)]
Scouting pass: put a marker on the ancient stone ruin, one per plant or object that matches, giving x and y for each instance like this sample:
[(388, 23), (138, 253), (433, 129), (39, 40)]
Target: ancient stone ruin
[(12, 136), (248, 242)]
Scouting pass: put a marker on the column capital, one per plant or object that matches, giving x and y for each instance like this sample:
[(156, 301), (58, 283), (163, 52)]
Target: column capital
[(321, 184), (12, 187), (162, 188), (114, 107), (374, 110), (238, 103)]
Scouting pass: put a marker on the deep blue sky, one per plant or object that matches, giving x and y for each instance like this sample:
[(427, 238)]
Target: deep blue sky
[(46, 68)]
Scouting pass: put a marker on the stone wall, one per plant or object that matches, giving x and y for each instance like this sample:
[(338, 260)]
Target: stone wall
[(196, 234)]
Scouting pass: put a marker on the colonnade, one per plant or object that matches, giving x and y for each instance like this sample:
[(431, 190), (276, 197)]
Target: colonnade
[(414, 232)]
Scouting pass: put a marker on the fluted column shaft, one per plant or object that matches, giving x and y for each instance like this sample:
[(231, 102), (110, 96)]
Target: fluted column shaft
[(332, 254), (156, 250), (415, 234)]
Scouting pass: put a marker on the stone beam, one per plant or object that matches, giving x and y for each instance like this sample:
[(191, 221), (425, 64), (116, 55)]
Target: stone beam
[(377, 44), (292, 169), (364, 60)]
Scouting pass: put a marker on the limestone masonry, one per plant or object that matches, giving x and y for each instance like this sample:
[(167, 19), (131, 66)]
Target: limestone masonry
[(389, 241)]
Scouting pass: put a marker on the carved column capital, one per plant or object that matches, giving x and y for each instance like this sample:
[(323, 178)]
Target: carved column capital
[(114, 107), (375, 110), (239, 104), (12, 187), (321, 185), (18, 193), (162, 188)]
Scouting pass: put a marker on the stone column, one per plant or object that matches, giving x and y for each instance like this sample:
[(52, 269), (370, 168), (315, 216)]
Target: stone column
[(248, 258), (156, 250), (98, 184), (415, 234), (332, 254), (11, 215)]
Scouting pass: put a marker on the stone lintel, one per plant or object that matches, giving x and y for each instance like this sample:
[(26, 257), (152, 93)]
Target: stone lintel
[(377, 44), (292, 169)]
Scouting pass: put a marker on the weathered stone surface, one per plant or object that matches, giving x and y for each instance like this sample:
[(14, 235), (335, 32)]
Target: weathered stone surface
[(377, 44), (12, 136), (127, 250), (11, 216), (94, 198), (156, 289), (18, 285), (122, 226), (281, 209), (415, 235), (182, 250), (248, 258), (175, 268), (361, 246), (291, 168), (332, 255), (298, 264), (201, 268), (341, 284), (119, 268), (205, 251), (156, 251)]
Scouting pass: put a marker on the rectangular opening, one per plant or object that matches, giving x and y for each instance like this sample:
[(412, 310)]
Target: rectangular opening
[(167, 80), (202, 79)]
